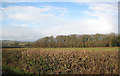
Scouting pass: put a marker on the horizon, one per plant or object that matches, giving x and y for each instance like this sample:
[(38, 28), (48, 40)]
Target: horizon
[(60, 35), (26, 21)]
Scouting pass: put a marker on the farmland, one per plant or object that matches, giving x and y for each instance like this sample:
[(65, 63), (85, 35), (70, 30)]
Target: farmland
[(102, 60)]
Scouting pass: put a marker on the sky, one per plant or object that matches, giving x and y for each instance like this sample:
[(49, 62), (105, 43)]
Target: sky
[(29, 21)]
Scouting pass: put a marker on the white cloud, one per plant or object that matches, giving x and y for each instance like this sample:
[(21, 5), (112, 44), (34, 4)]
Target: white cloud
[(95, 0), (79, 27), (61, 0), (107, 14), (20, 34), (105, 21), (24, 25), (29, 13)]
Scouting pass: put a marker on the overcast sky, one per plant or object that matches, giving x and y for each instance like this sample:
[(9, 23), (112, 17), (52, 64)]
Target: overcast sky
[(29, 21)]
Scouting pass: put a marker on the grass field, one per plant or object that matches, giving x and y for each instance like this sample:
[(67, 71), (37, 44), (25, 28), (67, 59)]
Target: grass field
[(60, 60)]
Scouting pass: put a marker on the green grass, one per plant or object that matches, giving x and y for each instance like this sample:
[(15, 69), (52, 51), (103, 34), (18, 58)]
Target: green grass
[(12, 70)]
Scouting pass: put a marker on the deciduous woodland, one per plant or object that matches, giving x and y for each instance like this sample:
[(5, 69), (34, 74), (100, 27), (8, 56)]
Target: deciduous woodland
[(74, 40)]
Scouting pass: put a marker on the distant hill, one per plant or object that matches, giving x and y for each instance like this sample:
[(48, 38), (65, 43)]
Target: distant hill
[(13, 44)]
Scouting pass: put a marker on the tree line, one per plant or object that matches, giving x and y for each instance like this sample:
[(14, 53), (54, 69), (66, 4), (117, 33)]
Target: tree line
[(66, 41), (74, 40)]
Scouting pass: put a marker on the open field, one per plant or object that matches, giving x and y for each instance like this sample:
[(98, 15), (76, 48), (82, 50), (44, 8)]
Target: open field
[(60, 60)]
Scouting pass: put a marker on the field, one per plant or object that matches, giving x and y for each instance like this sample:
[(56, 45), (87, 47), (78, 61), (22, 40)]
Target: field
[(60, 60)]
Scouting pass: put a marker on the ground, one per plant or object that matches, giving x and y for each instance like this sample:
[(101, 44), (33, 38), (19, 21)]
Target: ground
[(100, 60)]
